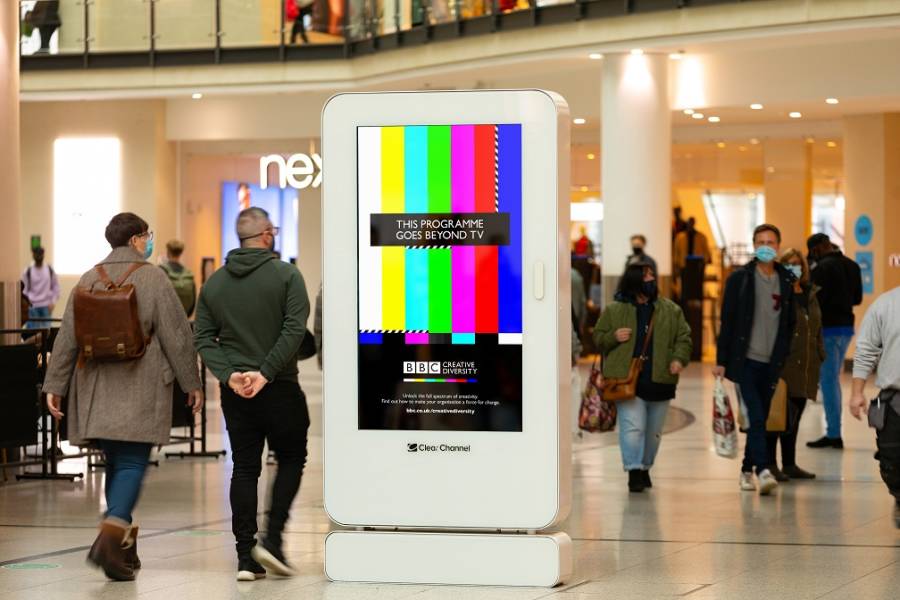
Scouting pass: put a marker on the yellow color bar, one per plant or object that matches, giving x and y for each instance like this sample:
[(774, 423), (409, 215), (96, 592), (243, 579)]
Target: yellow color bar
[(393, 200)]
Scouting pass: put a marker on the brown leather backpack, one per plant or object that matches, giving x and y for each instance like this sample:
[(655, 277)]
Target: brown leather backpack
[(107, 325)]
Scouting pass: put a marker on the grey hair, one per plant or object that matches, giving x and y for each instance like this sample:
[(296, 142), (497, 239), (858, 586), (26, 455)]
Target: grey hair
[(251, 222)]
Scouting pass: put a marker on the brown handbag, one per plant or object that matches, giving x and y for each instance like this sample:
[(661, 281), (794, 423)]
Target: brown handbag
[(617, 389), (107, 324)]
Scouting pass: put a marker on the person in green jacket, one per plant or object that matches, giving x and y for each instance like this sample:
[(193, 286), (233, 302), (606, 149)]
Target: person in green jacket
[(801, 370), (620, 335), (251, 319)]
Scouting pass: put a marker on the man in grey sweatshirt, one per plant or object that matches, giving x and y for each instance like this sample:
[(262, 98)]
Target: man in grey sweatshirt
[(878, 350)]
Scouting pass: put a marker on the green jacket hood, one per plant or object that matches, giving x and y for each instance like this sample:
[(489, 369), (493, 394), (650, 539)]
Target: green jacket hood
[(243, 261)]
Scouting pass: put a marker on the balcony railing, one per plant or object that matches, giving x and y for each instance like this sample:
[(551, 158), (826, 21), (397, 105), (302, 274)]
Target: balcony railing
[(65, 34)]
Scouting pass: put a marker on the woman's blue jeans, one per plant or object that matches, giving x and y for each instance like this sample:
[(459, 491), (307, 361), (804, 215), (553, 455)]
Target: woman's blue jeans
[(640, 431), (126, 463)]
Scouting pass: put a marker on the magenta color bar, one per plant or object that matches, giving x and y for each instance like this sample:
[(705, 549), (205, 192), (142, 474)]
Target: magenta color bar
[(462, 199), (416, 338)]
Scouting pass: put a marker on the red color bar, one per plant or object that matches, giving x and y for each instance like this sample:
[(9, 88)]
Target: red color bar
[(486, 275)]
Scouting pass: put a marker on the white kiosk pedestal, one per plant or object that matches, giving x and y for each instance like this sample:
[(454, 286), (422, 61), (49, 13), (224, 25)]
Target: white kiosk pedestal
[(538, 560), (443, 427)]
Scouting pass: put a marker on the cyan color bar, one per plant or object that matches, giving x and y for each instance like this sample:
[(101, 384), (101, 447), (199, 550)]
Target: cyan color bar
[(415, 142), (463, 338), (417, 284)]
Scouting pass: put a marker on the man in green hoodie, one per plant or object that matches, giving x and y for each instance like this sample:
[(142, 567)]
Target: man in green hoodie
[(251, 319)]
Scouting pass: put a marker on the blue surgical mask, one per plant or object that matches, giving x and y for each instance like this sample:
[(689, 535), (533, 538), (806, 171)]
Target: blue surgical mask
[(148, 250), (765, 254), (797, 270)]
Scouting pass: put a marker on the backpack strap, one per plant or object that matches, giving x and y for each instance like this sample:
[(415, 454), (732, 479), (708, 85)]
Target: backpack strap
[(104, 276), (134, 267)]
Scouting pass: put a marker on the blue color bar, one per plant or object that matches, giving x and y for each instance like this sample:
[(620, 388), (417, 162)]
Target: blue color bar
[(510, 201)]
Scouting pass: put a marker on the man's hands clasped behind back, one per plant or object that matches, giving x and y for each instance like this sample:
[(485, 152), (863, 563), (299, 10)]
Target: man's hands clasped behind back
[(247, 385)]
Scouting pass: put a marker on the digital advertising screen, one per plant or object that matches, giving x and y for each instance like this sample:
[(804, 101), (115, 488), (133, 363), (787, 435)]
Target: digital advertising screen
[(282, 204), (440, 277)]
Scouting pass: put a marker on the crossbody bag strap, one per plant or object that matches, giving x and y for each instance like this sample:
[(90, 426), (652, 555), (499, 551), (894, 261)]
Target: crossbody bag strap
[(104, 276), (647, 338)]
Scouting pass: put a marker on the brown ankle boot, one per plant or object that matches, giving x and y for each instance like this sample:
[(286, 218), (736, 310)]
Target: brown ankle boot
[(130, 547), (107, 552)]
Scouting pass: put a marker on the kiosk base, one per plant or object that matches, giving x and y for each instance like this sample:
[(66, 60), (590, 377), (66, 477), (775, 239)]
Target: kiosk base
[(537, 560)]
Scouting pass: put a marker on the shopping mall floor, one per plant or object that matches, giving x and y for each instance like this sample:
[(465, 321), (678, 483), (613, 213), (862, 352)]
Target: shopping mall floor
[(694, 535)]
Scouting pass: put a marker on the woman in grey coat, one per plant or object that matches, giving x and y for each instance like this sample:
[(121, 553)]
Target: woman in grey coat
[(125, 408)]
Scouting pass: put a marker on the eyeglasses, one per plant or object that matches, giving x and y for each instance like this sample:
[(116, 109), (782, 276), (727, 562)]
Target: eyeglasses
[(274, 231), (146, 234)]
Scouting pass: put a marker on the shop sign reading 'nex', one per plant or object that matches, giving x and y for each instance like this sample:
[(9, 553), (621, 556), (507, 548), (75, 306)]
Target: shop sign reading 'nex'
[(298, 171)]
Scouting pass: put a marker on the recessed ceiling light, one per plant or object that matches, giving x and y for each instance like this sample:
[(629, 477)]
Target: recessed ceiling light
[(676, 55), (832, 101), (595, 56), (196, 95), (831, 144), (720, 144), (756, 106), (754, 141), (688, 111), (579, 121), (697, 116), (584, 188), (714, 119), (591, 156), (795, 114), (637, 52)]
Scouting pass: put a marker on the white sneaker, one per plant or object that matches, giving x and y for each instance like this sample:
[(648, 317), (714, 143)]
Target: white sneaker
[(747, 483), (767, 482)]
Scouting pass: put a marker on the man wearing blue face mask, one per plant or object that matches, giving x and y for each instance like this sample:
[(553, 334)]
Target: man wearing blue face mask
[(758, 321)]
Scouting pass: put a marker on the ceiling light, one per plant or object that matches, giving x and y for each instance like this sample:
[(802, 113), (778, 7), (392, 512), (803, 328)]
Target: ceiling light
[(795, 114), (688, 111), (637, 52), (720, 144), (196, 95), (714, 119), (591, 156), (756, 106), (584, 188), (697, 116), (754, 141), (832, 101), (831, 144), (595, 56), (676, 55), (579, 121)]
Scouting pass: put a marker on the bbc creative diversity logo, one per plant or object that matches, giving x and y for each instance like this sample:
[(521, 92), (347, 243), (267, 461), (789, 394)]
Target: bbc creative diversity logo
[(421, 368)]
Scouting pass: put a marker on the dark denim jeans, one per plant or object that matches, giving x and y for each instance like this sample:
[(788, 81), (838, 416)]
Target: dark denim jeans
[(126, 464), (279, 415), (757, 386)]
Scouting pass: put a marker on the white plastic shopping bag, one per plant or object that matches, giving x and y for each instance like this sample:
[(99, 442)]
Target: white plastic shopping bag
[(724, 427)]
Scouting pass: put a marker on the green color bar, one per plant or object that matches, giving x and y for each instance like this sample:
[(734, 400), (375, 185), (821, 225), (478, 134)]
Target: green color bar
[(440, 290), (439, 169)]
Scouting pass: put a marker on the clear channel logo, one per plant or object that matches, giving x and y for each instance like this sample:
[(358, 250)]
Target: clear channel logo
[(417, 447)]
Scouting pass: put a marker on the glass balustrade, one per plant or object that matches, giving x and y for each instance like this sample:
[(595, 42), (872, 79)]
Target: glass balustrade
[(118, 25), (185, 24), (51, 27)]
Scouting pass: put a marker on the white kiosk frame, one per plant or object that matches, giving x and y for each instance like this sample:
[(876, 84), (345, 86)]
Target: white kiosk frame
[(453, 504)]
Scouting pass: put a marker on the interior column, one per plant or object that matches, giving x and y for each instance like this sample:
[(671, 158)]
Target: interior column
[(788, 189), (10, 269), (636, 162)]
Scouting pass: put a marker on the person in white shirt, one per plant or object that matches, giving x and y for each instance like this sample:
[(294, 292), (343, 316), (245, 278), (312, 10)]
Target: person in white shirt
[(41, 287), (878, 351)]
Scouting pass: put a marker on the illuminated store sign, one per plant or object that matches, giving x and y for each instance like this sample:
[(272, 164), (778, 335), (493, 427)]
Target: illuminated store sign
[(298, 171)]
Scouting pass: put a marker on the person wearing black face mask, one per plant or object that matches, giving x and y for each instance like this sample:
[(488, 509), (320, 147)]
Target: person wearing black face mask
[(621, 331), (638, 256)]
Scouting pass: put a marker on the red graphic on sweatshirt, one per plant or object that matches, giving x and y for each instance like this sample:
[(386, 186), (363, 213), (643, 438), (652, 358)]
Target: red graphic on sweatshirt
[(777, 302)]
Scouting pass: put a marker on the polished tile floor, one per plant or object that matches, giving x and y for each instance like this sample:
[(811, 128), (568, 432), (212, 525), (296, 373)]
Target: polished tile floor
[(694, 535)]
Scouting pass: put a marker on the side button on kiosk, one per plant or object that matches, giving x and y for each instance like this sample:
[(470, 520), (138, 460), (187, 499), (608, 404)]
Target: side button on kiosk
[(446, 420)]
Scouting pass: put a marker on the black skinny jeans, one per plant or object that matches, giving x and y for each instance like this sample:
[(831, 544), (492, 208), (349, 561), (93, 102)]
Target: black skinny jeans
[(888, 455), (788, 438), (298, 26), (279, 415)]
